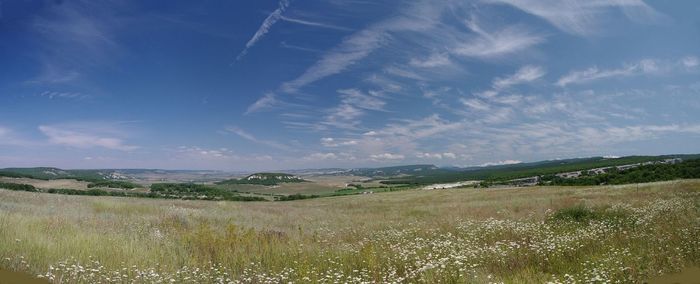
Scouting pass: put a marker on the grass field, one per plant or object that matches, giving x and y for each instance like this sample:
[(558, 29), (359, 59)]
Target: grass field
[(519, 235)]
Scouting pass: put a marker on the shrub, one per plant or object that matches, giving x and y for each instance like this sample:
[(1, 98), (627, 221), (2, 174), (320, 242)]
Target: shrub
[(112, 184), (17, 186), (295, 197), (578, 213), (583, 214)]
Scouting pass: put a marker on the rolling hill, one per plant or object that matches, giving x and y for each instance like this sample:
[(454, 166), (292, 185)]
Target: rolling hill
[(522, 170), (265, 179)]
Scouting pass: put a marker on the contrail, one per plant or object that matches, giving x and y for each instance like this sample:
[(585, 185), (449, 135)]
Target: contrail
[(265, 27)]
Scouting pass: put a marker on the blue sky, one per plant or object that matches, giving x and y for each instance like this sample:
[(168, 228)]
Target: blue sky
[(249, 85)]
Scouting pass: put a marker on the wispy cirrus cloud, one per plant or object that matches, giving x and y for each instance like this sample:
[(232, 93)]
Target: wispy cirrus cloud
[(82, 138), (582, 17), (74, 36), (271, 19), (63, 95), (314, 24), (361, 44), (492, 101), (494, 44), (353, 48), (525, 74), (9, 137), (641, 67), (353, 105), (432, 61), (250, 137), (267, 101)]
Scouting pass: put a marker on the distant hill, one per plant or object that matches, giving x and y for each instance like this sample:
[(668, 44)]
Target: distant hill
[(94, 175), (398, 170), (46, 173), (649, 172), (522, 170), (265, 179)]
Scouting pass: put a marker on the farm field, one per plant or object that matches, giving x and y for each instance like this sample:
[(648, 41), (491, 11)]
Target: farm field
[(319, 185), (626, 233)]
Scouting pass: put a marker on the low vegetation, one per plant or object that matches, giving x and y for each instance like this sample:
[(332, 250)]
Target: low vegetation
[(646, 173), (199, 191), (17, 186), (113, 184), (496, 174), (295, 197), (165, 191), (601, 234), (45, 173)]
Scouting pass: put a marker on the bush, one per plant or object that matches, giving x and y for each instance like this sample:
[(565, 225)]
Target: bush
[(578, 213), (199, 191), (112, 184), (295, 197), (18, 186), (583, 214)]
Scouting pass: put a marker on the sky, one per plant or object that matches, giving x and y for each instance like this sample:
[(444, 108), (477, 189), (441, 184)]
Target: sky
[(255, 85)]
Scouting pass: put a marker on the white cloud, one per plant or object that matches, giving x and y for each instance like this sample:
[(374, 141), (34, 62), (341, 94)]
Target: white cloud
[(321, 156), (386, 156), (370, 133), (271, 19), (436, 156), (501, 163), (80, 139), (332, 142), (582, 17), (221, 153), (690, 61), (525, 74)]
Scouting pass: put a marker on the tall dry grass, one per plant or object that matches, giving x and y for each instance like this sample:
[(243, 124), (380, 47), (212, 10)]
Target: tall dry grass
[(630, 233)]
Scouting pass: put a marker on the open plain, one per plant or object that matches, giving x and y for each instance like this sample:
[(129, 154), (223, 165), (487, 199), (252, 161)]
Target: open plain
[(595, 234)]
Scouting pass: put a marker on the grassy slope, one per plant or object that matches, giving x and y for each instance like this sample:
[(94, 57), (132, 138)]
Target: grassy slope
[(461, 235)]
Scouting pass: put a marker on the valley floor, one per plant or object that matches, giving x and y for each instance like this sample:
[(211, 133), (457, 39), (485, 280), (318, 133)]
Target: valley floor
[(515, 235)]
